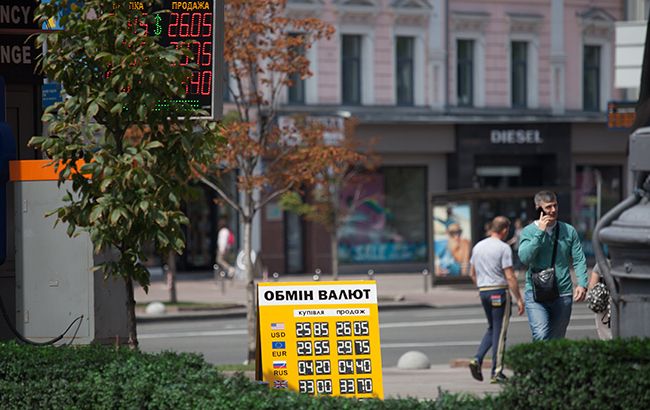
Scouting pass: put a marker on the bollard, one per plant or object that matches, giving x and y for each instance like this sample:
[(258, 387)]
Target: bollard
[(371, 273), (168, 276), (223, 274), (316, 276), (425, 275), (215, 272), (275, 276)]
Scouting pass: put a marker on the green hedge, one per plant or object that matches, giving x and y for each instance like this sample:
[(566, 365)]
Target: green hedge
[(561, 374), (585, 374), (96, 377)]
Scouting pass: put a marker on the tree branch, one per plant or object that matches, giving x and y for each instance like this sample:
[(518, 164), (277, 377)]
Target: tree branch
[(218, 189), (272, 197)]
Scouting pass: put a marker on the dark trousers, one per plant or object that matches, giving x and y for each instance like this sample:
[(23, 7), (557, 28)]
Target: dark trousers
[(497, 306)]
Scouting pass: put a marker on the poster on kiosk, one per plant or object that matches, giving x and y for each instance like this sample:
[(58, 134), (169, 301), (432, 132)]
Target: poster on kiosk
[(321, 338)]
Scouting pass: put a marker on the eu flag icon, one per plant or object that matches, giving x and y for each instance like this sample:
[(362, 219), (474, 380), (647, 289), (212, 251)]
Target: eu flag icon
[(278, 345)]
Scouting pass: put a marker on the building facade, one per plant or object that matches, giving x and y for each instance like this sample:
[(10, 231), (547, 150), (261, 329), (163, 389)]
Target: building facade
[(474, 106)]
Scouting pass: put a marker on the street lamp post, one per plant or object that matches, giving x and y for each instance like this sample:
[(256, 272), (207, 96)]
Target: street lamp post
[(626, 232)]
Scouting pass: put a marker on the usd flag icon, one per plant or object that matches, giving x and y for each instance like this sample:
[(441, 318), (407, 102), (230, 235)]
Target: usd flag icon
[(281, 384), (280, 364), (278, 345), (277, 326)]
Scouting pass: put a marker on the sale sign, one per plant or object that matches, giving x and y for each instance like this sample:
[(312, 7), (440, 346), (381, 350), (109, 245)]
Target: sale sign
[(321, 338)]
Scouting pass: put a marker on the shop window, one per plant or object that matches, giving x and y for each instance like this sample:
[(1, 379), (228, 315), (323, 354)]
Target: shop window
[(296, 90), (404, 73), (465, 72), (386, 220), (591, 78), (513, 171), (452, 234), (519, 73), (351, 69), (598, 189)]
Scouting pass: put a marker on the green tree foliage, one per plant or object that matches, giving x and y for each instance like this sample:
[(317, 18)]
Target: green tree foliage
[(263, 54), (128, 160)]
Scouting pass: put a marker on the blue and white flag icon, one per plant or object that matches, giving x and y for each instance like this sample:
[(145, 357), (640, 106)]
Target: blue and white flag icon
[(278, 345)]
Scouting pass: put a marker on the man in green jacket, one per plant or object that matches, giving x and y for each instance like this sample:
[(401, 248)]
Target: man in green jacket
[(549, 319)]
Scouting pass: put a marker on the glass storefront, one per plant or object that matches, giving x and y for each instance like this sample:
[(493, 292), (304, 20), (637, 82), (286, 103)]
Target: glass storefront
[(387, 217), (598, 188)]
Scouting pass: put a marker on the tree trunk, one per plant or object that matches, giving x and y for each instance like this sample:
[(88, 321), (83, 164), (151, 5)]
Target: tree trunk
[(171, 276), (130, 311), (334, 244), (251, 311)]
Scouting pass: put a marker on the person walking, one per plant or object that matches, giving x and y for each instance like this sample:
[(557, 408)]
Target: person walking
[(491, 270), (225, 246), (543, 243), (603, 317)]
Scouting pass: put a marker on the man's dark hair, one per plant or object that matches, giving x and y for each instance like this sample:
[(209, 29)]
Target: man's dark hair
[(544, 196), (499, 223)]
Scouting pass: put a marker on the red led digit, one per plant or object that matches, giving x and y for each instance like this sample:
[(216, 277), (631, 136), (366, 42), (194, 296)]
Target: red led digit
[(173, 24), (195, 83), (186, 58), (206, 82), (184, 27), (177, 46), (143, 23), (206, 30), (206, 55), (195, 25), (195, 48)]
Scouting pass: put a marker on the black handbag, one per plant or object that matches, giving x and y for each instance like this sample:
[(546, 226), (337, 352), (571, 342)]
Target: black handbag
[(544, 282)]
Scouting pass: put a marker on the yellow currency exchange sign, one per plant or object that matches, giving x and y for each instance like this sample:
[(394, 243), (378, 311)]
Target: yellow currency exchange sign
[(321, 338)]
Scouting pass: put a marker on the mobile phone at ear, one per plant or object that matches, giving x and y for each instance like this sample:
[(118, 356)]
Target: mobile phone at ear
[(539, 210)]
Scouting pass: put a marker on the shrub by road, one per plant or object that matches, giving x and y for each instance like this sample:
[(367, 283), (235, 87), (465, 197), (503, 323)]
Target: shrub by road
[(560, 374)]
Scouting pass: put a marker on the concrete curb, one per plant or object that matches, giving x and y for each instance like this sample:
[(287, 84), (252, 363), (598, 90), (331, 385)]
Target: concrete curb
[(231, 313)]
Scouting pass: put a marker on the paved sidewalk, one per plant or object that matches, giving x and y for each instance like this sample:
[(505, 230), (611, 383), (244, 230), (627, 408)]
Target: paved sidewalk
[(395, 291)]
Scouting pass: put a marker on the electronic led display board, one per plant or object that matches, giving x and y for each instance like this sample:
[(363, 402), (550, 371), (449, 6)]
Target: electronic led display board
[(197, 25), (621, 114)]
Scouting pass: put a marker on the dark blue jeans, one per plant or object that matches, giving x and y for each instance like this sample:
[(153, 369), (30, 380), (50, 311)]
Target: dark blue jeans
[(548, 320), (497, 306)]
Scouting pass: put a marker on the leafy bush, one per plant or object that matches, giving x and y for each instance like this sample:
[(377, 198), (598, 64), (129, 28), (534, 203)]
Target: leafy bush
[(96, 377), (585, 374)]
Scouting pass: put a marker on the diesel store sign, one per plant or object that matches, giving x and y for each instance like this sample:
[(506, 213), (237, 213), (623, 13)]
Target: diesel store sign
[(524, 154), (515, 136), (17, 50)]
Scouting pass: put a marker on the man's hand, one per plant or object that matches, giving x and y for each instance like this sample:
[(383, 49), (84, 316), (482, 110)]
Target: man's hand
[(544, 221), (579, 294), (520, 307)]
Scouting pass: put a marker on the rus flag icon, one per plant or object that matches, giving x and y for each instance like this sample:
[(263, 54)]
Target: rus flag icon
[(280, 364)]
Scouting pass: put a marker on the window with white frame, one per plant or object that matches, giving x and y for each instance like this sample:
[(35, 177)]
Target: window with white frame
[(519, 74), (405, 69), (351, 60), (591, 63), (467, 44), (597, 59), (465, 72), (296, 91), (523, 57)]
